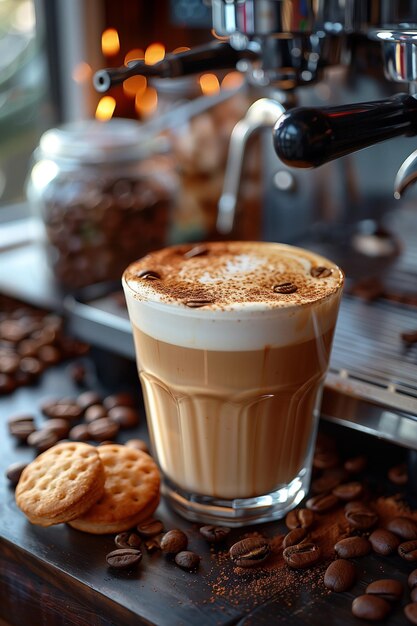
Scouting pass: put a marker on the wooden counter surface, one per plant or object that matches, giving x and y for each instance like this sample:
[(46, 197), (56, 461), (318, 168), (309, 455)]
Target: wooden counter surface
[(58, 575)]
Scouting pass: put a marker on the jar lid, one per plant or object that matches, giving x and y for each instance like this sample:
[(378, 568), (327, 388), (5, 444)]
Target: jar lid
[(92, 141)]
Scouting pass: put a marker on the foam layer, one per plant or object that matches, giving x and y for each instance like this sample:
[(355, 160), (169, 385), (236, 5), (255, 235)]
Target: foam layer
[(210, 296)]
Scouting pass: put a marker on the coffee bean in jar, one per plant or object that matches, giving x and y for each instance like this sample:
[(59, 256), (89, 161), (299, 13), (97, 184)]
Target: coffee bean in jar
[(104, 191)]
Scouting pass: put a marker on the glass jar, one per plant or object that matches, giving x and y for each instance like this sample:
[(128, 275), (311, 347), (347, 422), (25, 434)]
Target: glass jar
[(105, 192)]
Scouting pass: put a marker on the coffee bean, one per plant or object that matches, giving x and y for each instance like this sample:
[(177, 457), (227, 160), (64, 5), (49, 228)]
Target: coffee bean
[(150, 528), (125, 416), (123, 558), (214, 534), (340, 575), (370, 607), (326, 459), (302, 555), (31, 366), (14, 472), (94, 412), (285, 288), (412, 579), (348, 491), (384, 541), (196, 251), (152, 544), (66, 409), (356, 464), (352, 547), (403, 527), (320, 272), (174, 541), (138, 444), (23, 417), (250, 552), (329, 480), (128, 540), (123, 398), (149, 275), (398, 474), (386, 588), (299, 518), (196, 303), (102, 428), (322, 502), (42, 439), (408, 550), (50, 355), (87, 399), (22, 430), (410, 611), (361, 517), (59, 426), (294, 537), (187, 560), (80, 432)]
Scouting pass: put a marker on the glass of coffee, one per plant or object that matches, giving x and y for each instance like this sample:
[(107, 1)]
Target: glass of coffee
[(232, 343)]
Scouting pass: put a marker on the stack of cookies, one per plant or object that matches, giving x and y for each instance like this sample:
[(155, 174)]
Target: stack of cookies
[(99, 490)]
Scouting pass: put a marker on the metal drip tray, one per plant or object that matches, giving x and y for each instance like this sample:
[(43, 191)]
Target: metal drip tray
[(372, 380)]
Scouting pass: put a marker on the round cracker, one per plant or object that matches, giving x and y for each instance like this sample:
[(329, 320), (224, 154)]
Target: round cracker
[(131, 491), (61, 483)]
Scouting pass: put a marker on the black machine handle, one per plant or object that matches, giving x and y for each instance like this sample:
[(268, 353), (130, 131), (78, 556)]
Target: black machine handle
[(205, 58), (308, 137)]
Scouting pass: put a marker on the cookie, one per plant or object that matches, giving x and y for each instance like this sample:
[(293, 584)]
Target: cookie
[(61, 483), (131, 491)]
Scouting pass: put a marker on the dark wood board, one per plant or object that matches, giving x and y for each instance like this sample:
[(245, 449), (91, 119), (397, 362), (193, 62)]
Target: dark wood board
[(59, 575)]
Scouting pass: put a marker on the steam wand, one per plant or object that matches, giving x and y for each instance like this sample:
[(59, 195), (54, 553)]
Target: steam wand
[(208, 57)]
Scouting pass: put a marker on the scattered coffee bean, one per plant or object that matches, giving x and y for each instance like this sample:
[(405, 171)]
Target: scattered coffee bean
[(59, 426), (138, 444), (187, 560), (321, 272), (408, 550), (128, 540), (250, 552), (409, 336), (361, 517), (370, 607), (150, 528), (174, 541), (152, 545), (322, 502), (14, 472), (410, 611), (348, 491), (326, 459), (352, 547), (294, 537), (80, 432), (124, 416), (330, 479), (24, 417), (94, 412), (123, 558), (66, 409), (299, 518), (214, 534), (386, 588), (356, 464), (42, 439), (398, 474), (102, 428), (384, 541), (340, 575), (22, 430), (403, 527), (285, 288), (302, 555), (123, 398), (412, 579), (87, 399)]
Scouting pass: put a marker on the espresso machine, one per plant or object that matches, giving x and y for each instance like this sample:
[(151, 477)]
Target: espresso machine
[(330, 78)]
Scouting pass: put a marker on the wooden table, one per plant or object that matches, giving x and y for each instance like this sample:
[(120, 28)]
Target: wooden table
[(59, 575)]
